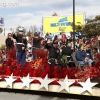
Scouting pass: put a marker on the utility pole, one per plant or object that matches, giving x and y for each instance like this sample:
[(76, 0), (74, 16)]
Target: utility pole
[(74, 22)]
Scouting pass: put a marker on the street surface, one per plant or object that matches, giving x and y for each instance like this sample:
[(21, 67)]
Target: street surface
[(17, 96)]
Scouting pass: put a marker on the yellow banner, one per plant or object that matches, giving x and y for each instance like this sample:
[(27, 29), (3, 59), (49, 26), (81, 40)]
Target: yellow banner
[(57, 24)]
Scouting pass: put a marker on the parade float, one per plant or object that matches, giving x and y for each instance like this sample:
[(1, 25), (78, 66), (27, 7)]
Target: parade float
[(39, 76)]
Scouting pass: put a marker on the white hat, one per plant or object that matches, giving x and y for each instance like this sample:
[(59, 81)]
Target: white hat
[(20, 29)]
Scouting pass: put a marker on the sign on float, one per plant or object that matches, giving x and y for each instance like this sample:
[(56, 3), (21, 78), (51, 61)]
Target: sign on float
[(57, 24)]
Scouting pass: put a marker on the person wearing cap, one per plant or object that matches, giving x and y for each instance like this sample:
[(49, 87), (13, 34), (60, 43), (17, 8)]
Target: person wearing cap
[(54, 57), (66, 54), (21, 45)]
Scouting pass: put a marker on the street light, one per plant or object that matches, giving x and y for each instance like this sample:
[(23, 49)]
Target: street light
[(74, 22)]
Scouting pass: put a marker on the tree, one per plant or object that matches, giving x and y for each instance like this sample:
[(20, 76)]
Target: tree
[(92, 26), (54, 14), (78, 28), (33, 29)]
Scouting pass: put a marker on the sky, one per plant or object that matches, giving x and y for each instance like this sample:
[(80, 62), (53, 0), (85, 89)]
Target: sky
[(27, 13)]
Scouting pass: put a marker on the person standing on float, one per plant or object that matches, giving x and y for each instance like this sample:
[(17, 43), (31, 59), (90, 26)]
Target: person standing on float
[(9, 42), (21, 46)]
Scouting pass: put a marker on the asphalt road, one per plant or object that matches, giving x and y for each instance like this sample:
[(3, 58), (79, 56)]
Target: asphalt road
[(17, 96)]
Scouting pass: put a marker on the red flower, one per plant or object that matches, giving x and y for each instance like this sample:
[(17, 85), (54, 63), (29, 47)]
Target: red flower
[(16, 72), (34, 73), (11, 54), (11, 66), (41, 53), (8, 72)]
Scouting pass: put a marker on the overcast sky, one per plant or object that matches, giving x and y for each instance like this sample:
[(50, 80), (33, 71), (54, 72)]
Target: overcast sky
[(30, 12)]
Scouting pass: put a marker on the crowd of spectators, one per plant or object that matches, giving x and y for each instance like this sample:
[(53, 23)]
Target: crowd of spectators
[(62, 49)]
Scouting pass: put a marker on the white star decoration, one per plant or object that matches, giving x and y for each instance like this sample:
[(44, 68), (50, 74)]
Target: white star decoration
[(87, 86), (26, 81), (65, 84), (44, 82), (9, 81)]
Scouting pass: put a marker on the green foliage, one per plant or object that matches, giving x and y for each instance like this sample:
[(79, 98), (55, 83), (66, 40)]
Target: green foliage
[(78, 28), (92, 27), (1, 30)]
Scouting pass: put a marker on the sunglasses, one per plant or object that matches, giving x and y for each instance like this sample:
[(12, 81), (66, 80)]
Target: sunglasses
[(9, 35)]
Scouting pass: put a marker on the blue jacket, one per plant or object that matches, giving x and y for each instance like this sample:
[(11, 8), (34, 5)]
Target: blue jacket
[(80, 55)]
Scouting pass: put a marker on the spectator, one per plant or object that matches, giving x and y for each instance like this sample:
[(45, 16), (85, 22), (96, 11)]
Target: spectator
[(60, 36), (36, 40), (64, 36), (55, 38), (88, 53), (80, 55), (94, 55), (1, 58), (51, 36), (88, 50), (47, 36), (66, 54), (9, 42), (36, 43), (4, 55)]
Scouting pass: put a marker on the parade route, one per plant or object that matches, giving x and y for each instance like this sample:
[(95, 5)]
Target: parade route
[(17, 96)]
